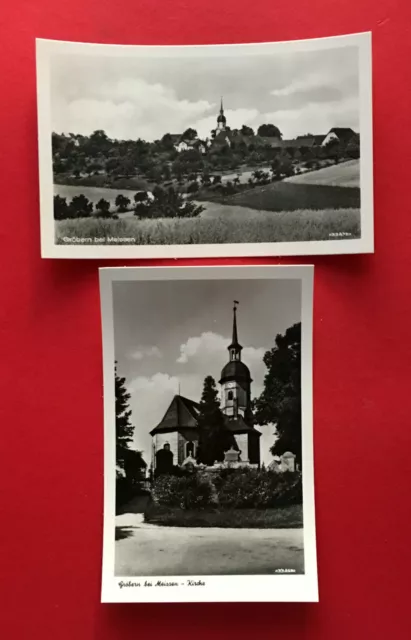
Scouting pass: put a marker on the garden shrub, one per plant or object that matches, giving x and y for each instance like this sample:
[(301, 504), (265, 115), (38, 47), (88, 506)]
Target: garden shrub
[(192, 491), (229, 489)]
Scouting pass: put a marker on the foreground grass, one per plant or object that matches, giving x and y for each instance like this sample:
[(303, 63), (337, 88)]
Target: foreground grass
[(290, 226), (289, 196), (281, 518)]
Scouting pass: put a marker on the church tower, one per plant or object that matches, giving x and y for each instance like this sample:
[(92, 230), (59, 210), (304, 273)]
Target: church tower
[(221, 120), (236, 380)]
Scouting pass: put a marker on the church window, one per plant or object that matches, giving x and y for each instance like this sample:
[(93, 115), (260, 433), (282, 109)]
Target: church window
[(190, 449), (230, 395)]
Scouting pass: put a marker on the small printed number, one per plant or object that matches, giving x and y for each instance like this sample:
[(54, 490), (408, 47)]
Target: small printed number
[(285, 570), (340, 234)]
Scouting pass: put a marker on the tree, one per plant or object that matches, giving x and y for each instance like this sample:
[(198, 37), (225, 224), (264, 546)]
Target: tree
[(124, 428), (193, 187), (269, 131), (214, 438), (205, 179), (97, 143), (80, 207), (134, 466), (122, 202), (103, 209), (140, 196), (282, 166), (167, 142), (247, 131), (280, 401), (61, 209), (189, 134), (167, 203)]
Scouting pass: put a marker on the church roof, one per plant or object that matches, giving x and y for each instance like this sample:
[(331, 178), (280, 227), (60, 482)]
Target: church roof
[(239, 425), (235, 370), (181, 414)]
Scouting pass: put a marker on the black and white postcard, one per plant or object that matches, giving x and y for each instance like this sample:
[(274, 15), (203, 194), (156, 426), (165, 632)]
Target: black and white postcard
[(201, 151), (208, 434)]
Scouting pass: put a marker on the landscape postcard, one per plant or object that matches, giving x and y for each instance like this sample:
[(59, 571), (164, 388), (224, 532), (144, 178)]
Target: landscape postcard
[(204, 151), (208, 434)]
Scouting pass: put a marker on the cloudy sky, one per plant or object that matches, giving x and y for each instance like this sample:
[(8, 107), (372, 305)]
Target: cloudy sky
[(130, 98), (171, 335)]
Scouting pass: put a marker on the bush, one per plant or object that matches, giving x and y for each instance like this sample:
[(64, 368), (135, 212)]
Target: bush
[(261, 489), (124, 491), (103, 208), (61, 208), (193, 491), (229, 489), (193, 187), (80, 207)]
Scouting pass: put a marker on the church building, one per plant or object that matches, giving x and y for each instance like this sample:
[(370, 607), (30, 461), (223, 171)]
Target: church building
[(176, 436)]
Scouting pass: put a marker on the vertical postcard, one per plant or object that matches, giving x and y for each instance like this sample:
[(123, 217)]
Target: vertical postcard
[(208, 434), (199, 151)]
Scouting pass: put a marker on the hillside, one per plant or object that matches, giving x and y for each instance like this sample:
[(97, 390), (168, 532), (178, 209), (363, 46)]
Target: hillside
[(345, 174)]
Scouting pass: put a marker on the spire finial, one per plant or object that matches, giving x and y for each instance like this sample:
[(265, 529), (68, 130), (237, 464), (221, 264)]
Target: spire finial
[(235, 347), (221, 106)]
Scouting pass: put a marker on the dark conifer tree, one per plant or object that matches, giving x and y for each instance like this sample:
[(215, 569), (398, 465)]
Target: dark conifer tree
[(214, 438), (124, 428)]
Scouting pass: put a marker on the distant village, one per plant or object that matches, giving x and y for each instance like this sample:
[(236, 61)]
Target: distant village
[(223, 135)]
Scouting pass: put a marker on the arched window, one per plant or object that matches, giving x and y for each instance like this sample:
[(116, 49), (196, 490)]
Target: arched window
[(190, 449), (230, 395)]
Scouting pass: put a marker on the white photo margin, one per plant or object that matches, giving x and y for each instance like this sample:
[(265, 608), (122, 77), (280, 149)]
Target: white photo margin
[(46, 49), (233, 588)]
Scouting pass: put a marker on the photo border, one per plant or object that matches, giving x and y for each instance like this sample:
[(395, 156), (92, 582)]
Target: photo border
[(46, 49), (230, 588)]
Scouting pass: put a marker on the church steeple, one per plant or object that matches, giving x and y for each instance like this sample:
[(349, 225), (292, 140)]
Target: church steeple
[(235, 347), (221, 120), (235, 379)]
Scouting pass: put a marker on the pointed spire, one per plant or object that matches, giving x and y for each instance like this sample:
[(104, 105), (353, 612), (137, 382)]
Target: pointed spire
[(235, 336), (221, 106), (235, 347)]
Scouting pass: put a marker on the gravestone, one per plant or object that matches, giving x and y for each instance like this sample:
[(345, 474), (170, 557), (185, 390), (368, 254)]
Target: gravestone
[(231, 456)]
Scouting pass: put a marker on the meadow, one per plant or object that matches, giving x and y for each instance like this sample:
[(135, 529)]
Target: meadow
[(264, 226), (290, 196), (343, 174)]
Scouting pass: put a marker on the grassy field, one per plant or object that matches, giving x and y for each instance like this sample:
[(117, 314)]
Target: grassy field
[(300, 225), (281, 518), (345, 174), (290, 196)]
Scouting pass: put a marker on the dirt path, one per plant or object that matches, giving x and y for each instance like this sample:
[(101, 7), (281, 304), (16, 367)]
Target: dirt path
[(147, 550)]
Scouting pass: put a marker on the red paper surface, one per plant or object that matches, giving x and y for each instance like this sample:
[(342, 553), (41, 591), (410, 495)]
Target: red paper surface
[(51, 412)]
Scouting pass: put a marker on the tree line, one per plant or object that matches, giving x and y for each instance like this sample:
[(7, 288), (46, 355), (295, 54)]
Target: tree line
[(161, 203), (101, 161)]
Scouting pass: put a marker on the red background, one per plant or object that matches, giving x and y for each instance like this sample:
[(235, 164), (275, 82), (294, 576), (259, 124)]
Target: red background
[(51, 411)]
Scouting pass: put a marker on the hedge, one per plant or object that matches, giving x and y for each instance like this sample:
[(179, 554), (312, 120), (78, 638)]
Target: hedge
[(229, 489)]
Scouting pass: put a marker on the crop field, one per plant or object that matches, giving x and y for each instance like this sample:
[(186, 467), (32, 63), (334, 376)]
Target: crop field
[(290, 226), (345, 174), (290, 196)]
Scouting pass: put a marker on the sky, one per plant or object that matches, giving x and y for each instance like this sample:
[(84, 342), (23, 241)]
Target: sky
[(132, 97), (170, 335)]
